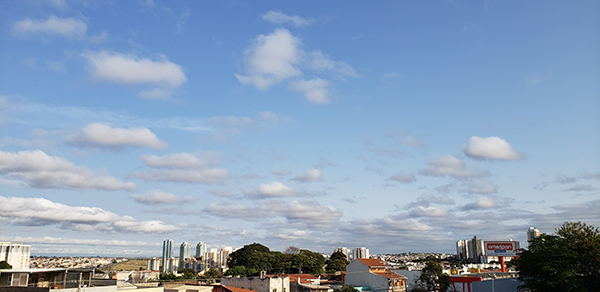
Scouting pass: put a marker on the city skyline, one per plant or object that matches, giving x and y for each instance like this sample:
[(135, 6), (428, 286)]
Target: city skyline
[(400, 126)]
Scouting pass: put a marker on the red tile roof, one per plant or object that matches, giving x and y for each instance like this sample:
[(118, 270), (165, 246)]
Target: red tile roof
[(389, 275), (235, 289), (373, 262), (301, 278)]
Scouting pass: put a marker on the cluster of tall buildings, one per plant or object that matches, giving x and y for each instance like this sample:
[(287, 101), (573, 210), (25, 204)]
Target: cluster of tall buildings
[(201, 260), (473, 250), (357, 253), (15, 254)]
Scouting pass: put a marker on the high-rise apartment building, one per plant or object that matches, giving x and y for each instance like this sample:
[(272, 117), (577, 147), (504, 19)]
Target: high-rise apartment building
[(167, 254), (476, 251), (462, 249), (360, 253), (532, 233), (346, 251), (200, 249), (185, 252), (15, 254)]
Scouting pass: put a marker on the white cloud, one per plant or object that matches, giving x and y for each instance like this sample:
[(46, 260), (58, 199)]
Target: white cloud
[(182, 167), (130, 69), (310, 175), (491, 148), (453, 166), (41, 212), (281, 172), (277, 17), (37, 169), (67, 27), (275, 189), (73, 241), (312, 213), (319, 61), (315, 90), (271, 59), (156, 197), (99, 135), (481, 204), (391, 75), (421, 211), (403, 178)]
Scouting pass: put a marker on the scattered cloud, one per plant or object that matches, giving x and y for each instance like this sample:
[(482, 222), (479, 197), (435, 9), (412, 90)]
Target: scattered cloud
[(278, 18), (311, 175), (36, 169), (563, 179), (74, 241), (481, 187), (278, 56), (271, 59), (421, 211), (273, 190), (482, 203), (491, 148), (391, 75), (130, 69), (66, 27), (427, 201), (158, 197), (100, 135), (453, 166), (403, 178), (315, 90), (580, 188), (43, 212), (281, 172), (182, 167)]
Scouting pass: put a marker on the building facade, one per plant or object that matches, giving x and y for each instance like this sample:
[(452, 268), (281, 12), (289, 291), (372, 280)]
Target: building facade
[(360, 253), (372, 274), (200, 249), (167, 253), (153, 264), (462, 249), (185, 252), (262, 283), (532, 233), (15, 254)]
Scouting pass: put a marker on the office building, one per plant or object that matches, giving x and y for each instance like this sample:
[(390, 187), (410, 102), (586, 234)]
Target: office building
[(360, 253), (476, 251), (167, 253), (185, 252), (200, 249), (15, 254)]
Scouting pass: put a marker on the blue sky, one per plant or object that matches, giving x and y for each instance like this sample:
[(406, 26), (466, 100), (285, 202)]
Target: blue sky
[(396, 125)]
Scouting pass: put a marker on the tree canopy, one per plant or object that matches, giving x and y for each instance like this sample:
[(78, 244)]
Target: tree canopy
[(336, 262), (257, 257), (5, 265), (566, 261), (432, 279)]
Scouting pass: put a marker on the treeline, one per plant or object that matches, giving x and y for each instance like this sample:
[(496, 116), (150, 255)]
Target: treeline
[(253, 258)]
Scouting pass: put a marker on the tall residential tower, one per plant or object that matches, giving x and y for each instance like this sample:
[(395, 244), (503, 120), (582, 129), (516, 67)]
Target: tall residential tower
[(167, 254)]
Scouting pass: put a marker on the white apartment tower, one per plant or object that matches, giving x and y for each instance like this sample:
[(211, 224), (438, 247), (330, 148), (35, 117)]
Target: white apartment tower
[(200, 249), (532, 233), (153, 264), (167, 254), (462, 249), (15, 254), (360, 253), (185, 252)]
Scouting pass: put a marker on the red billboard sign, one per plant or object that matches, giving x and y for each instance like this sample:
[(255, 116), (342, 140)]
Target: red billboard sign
[(501, 248)]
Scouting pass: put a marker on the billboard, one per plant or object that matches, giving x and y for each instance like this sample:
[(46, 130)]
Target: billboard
[(501, 248)]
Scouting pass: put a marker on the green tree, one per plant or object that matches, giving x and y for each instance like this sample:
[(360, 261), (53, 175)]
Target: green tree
[(308, 262), (432, 279), (252, 256), (346, 288), (212, 273), (5, 265), (336, 262), (567, 261), (240, 271)]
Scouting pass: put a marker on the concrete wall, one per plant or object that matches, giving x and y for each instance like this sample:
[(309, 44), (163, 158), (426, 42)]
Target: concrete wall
[(499, 285), (358, 275)]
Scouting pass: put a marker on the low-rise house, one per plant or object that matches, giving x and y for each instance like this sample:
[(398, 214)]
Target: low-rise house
[(372, 274), (262, 283), (56, 279)]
